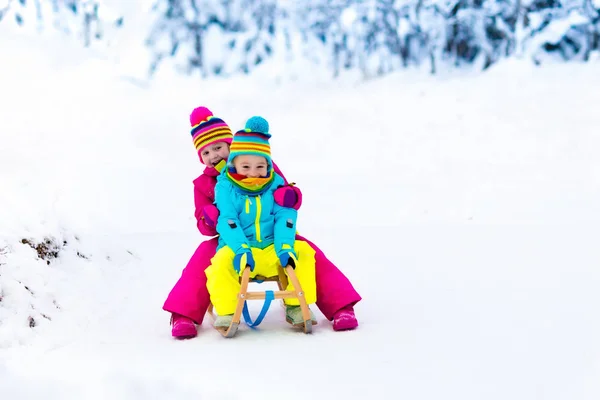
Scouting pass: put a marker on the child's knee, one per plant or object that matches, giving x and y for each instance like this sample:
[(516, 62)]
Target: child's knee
[(223, 256), (303, 249), (222, 261)]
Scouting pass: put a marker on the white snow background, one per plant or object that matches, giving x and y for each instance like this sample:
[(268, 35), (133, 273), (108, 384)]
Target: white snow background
[(465, 209)]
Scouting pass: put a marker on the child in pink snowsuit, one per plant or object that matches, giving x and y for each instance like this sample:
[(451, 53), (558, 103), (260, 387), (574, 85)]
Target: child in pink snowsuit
[(189, 299)]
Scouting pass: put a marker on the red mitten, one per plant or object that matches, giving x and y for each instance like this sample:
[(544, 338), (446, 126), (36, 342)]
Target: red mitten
[(210, 214), (288, 196)]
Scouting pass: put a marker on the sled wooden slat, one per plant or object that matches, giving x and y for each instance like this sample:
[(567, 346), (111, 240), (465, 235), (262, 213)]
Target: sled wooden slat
[(235, 322), (300, 295), (282, 282), (260, 278), (285, 294)]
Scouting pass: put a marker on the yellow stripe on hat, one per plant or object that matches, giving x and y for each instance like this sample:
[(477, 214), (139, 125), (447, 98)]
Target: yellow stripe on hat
[(236, 147), (214, 140), (212, 132), (220, 133)]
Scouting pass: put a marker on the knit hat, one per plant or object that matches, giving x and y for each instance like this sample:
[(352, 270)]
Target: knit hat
[(253, 139), (208, 129)]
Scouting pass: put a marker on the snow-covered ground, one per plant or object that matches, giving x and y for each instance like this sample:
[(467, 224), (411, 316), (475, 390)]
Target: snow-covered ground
[(464, 209)]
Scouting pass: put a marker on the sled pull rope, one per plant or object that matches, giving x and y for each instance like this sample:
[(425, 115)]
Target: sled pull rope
[(269, 296)]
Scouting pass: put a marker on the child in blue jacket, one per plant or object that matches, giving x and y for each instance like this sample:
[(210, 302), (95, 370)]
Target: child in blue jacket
[(253, 229)]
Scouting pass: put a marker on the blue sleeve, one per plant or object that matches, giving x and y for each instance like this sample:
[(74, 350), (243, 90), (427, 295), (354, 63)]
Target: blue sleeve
[(285, 224), (228, 223)]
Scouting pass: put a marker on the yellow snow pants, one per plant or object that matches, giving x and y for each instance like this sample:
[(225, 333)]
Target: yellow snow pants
[(223, 282)]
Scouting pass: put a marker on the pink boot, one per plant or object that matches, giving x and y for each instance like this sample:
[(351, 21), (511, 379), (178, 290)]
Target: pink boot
[(182, 327), (344, 319)]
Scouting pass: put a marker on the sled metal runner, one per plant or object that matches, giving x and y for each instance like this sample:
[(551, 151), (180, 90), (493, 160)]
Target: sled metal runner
[(282, 282)]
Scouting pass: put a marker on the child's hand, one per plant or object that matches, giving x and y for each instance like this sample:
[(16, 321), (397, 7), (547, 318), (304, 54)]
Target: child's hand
[(288, 257), (210, 214), (288, 196), (243, 259)]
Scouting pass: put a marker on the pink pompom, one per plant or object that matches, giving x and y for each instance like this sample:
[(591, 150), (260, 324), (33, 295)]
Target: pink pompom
[(200, 114)]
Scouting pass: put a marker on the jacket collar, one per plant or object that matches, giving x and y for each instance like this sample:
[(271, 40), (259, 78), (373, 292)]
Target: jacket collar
[(215, 171)]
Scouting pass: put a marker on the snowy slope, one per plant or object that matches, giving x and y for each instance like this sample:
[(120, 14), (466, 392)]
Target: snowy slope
[(464, 209)]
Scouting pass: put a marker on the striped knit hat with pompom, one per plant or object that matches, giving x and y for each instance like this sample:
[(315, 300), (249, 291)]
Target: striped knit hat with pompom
[(208, 129), (253, 139)]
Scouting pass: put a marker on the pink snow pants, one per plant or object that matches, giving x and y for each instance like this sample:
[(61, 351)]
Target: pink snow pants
[(189, 297)]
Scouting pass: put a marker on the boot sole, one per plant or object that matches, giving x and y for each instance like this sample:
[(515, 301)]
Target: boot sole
[(183, 337), (298, 325)]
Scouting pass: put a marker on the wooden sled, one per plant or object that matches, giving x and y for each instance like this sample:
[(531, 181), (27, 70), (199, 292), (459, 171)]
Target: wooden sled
[(282, 283)]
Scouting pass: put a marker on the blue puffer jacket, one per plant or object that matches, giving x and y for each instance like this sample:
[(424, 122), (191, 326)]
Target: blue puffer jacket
[(253, 220)]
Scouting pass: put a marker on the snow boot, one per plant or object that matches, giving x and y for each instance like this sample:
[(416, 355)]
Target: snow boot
[(293, 315), (344, 319), (182, 327), (223, 321)]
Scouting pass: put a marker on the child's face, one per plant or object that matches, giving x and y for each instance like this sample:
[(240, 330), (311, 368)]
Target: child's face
[(251, 166), (211, 155)]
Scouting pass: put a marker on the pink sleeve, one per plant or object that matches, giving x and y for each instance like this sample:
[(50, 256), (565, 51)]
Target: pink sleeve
[(276, 168), (280, 197), (201, 200)]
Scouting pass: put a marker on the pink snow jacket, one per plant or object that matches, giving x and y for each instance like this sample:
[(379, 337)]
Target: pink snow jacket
[(204, 195)]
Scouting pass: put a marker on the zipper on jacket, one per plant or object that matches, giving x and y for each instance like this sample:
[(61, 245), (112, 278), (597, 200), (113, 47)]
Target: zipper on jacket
[(257, 222), (248, 202)]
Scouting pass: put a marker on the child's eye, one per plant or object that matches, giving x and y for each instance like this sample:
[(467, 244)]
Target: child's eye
[(217, 148)]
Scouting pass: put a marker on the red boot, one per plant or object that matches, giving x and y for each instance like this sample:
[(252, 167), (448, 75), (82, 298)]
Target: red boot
[(182, 327), (344, 319)]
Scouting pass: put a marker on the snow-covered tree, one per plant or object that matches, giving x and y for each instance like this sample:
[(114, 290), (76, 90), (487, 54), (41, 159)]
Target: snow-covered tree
[(87, 19), (371, 37), (213, 37), (565, 28)]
